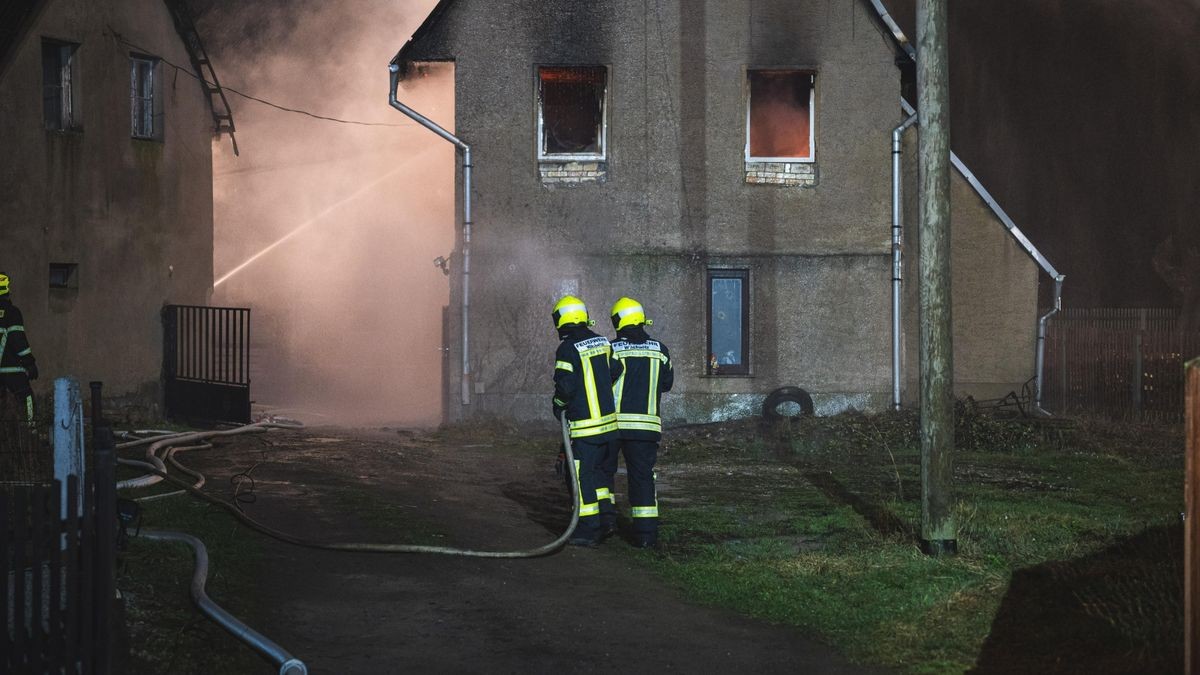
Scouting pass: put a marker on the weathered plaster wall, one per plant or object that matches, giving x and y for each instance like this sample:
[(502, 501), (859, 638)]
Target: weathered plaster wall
[(994, 293), (135, 215)]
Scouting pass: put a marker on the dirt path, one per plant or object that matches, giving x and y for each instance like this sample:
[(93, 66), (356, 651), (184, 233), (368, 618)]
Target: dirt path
[(576, 611)]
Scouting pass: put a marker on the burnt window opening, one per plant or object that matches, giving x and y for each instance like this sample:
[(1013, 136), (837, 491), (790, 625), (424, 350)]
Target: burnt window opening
[(571, 112), (728, 322), (779, 116), (60, 85), (62, 275), (145, 98)]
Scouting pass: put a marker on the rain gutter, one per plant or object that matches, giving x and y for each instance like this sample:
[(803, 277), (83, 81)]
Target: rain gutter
[(394, 69)]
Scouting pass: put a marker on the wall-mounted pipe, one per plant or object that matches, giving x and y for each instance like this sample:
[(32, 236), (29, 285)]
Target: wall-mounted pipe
[(287, 664), (897, 252), (1041, 345), (394, 70)]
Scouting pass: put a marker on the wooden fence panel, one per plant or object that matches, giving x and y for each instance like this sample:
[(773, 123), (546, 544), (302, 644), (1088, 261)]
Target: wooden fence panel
[(55, 649), (20, 562), (71, 572), (7, 525), (1120, 363), (1191, 540), (48, 561)]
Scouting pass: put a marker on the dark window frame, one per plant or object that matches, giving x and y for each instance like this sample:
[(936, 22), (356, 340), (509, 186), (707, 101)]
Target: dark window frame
[(64, 275), (156, 101), (713, 274), (602, 140), (61, 109)]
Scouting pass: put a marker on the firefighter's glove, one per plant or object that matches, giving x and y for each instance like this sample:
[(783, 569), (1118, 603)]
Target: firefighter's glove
[(31, 370), (560, 464)]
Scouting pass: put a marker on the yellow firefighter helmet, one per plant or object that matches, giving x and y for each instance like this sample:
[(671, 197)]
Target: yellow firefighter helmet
[(569, 310), (627, 312)]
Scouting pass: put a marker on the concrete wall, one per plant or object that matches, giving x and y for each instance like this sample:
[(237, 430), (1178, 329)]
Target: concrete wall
[(676, 197), (135, 215)]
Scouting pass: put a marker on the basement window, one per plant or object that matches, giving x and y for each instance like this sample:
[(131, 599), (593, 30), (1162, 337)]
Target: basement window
[(572, 108), (62, 275), (728, 322), (145, 97), (60, 85), (779, 116)]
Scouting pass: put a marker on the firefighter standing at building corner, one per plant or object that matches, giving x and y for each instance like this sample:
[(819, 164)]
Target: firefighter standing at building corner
[(645, 376), (583, 376), (17, 365)]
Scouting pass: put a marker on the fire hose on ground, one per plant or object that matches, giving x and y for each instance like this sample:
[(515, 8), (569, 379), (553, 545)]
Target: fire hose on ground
[(288, 665)]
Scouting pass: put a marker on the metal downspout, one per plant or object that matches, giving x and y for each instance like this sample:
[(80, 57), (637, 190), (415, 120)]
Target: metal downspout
[(1041, 345), (897, 253), (394, 70)]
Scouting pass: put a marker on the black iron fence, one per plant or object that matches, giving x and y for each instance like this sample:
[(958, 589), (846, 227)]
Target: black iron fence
[(206, 362), (1120, 363)]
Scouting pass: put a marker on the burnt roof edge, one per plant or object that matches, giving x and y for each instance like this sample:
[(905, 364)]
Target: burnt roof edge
[(427, 25)]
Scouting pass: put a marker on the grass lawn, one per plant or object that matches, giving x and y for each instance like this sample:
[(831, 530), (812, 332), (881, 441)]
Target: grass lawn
[(1070, 548)]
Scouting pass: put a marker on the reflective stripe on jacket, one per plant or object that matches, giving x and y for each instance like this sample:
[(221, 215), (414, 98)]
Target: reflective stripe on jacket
[(583, 377), (646, 375)]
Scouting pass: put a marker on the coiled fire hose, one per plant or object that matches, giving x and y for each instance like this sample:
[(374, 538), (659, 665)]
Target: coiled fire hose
[(157, 470)]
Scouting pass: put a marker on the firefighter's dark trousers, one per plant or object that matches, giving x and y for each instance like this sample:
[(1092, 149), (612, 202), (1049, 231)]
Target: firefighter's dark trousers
[(590, 460), (18, 384), (640, 457)]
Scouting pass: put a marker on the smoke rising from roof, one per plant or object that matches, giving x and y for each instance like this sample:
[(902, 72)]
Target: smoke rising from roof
[(345, 219)]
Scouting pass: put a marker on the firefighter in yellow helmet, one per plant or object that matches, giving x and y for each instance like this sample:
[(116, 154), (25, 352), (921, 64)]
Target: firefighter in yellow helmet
[(583, 377), (646, 375), (17, 365)]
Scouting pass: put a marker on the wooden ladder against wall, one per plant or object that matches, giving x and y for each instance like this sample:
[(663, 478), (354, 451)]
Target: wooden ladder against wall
[(221, 111)]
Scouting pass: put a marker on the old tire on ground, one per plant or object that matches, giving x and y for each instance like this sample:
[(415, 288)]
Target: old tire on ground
[(782, 395)]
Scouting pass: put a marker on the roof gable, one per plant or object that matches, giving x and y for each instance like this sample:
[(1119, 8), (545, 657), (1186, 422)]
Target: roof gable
[(16, 17)]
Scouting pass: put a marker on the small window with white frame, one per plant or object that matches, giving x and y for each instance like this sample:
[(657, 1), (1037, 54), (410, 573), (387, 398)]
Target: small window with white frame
[(572, 112), (780, 116), (145, 97), (60, 86)]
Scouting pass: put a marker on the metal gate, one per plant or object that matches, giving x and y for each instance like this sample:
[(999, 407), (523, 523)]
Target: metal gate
[(206, 363)]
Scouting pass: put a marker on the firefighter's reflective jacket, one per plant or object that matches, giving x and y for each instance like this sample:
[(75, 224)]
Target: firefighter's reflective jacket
[(583, 381), (15, 353), (646, 375)]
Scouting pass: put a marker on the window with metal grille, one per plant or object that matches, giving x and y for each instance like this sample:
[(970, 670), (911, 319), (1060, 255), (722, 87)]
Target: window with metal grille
[(728, 322), (571, 112), (60, 85), (779, 116), (145, 99)]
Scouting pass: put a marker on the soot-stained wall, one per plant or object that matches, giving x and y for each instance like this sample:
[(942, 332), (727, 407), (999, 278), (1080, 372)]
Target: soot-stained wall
[(675, 200)]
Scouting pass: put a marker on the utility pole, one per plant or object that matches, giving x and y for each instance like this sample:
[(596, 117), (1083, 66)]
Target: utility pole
[(938, 532)]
